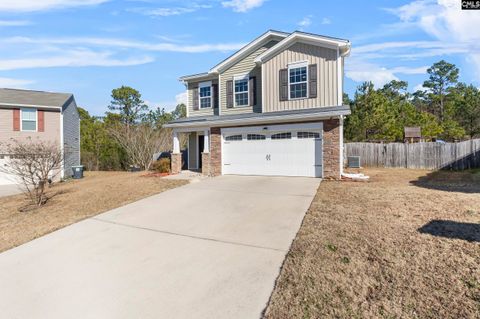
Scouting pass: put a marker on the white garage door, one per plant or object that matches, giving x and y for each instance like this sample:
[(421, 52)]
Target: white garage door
[(5, 179), (280, 150)]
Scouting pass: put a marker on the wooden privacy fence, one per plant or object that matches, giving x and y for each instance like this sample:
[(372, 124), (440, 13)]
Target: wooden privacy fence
[(457, 156)]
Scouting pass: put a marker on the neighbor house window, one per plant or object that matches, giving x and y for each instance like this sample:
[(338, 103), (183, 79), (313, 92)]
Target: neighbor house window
[(29, 119), (205, 95), (297, 80), (241, 91)]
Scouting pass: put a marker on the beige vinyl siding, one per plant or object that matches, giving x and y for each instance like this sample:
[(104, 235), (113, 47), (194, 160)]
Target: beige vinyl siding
[(246, 65), (51, 134), (199, 112), (326, 60)]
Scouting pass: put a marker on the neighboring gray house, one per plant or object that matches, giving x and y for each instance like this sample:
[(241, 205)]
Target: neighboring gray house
[(40, 115), (272, 108)]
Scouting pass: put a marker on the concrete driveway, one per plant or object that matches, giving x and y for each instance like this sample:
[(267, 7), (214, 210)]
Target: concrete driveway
[(211, 249), (8, 190)]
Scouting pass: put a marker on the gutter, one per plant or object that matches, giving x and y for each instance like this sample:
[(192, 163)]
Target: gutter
[(259, 120), (17, 105)]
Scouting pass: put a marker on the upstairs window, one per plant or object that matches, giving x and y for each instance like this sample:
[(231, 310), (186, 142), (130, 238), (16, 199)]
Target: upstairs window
[(205, 95), (28, 119), (241, 91), (297, 80)]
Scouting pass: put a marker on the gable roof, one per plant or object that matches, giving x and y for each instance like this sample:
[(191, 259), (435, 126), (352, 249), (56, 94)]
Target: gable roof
[(285, 40), (246, 50), (315, 39), (18, 97)]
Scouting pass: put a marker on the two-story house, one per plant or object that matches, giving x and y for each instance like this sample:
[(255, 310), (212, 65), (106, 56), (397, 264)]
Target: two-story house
[(43, 116), (272, 108)]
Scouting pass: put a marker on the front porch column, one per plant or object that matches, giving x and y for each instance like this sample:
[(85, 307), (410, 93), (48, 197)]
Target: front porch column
[(206, 142), (176, 142), (206, 153), (176, 156)]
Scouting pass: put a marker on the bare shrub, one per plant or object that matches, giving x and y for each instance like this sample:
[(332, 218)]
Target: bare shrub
[(33, 163), (140, 142), (162, 165)]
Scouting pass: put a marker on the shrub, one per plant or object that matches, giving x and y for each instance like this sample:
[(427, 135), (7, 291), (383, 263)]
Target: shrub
[(162, 165)]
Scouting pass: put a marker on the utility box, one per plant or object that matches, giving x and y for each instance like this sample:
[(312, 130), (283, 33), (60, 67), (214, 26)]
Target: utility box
[(353, 161), (77, 171)]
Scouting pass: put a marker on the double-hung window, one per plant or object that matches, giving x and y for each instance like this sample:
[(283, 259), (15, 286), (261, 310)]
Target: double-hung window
[(29, 119), (205, 94), (241, 90), (297, 80)]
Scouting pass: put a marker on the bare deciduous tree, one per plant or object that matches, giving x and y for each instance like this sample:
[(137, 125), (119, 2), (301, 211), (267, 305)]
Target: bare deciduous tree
[(33, 163), (141, 141)]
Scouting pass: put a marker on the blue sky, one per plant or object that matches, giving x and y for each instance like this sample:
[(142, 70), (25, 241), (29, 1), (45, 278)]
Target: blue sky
[(89, 47)]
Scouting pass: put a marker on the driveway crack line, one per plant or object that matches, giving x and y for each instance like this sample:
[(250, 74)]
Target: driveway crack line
[(188, 236)]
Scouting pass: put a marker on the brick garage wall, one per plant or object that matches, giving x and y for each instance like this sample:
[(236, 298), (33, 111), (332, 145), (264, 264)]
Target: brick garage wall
[(206, 164), (214, 159), (331, 148)]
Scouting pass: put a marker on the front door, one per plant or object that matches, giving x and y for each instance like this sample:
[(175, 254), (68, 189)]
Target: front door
[(201, 140)]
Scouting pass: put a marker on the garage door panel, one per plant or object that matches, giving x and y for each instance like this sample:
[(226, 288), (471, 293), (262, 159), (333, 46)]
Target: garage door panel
[(289, 156), (6, 179)]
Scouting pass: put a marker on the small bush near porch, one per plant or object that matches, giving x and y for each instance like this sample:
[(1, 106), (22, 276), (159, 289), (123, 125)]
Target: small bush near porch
[(404, 245)]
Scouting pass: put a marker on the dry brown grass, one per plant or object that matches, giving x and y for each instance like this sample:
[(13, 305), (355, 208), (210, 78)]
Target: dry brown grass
[(73, 201), (404, 245)]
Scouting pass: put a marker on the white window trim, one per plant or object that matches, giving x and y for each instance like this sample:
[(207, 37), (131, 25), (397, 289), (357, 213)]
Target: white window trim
[(296, 65), (202, 85), (21, 120), (241, 77)]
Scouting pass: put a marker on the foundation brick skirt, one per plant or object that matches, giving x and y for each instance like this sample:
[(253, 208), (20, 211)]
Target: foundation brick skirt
[(206, 164), (176, 163)]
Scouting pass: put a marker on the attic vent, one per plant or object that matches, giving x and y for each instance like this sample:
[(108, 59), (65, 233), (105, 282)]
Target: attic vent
[(353, 161)]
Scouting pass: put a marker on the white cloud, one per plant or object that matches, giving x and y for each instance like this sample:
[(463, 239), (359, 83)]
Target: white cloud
[(41, 5), (360, 70), (14, 23), (170, 11), (181, 98), (445, 21), (122, 43), (326, 21), (373, 73), (418, 87), (73, 58), (14, 83), (242, 5), (305, 22)]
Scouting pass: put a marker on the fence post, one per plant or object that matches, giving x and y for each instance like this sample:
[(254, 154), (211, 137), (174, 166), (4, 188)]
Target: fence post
[(405, 145)]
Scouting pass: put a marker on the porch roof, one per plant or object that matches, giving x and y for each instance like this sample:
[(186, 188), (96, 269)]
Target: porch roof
[(257, 118)]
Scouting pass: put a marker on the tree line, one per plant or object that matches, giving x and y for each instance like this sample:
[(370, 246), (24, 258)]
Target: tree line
[(127, 135), (444, 108)]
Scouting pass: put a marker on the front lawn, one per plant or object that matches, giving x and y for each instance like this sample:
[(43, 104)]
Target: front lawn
[(73, 201), (404, 245)]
